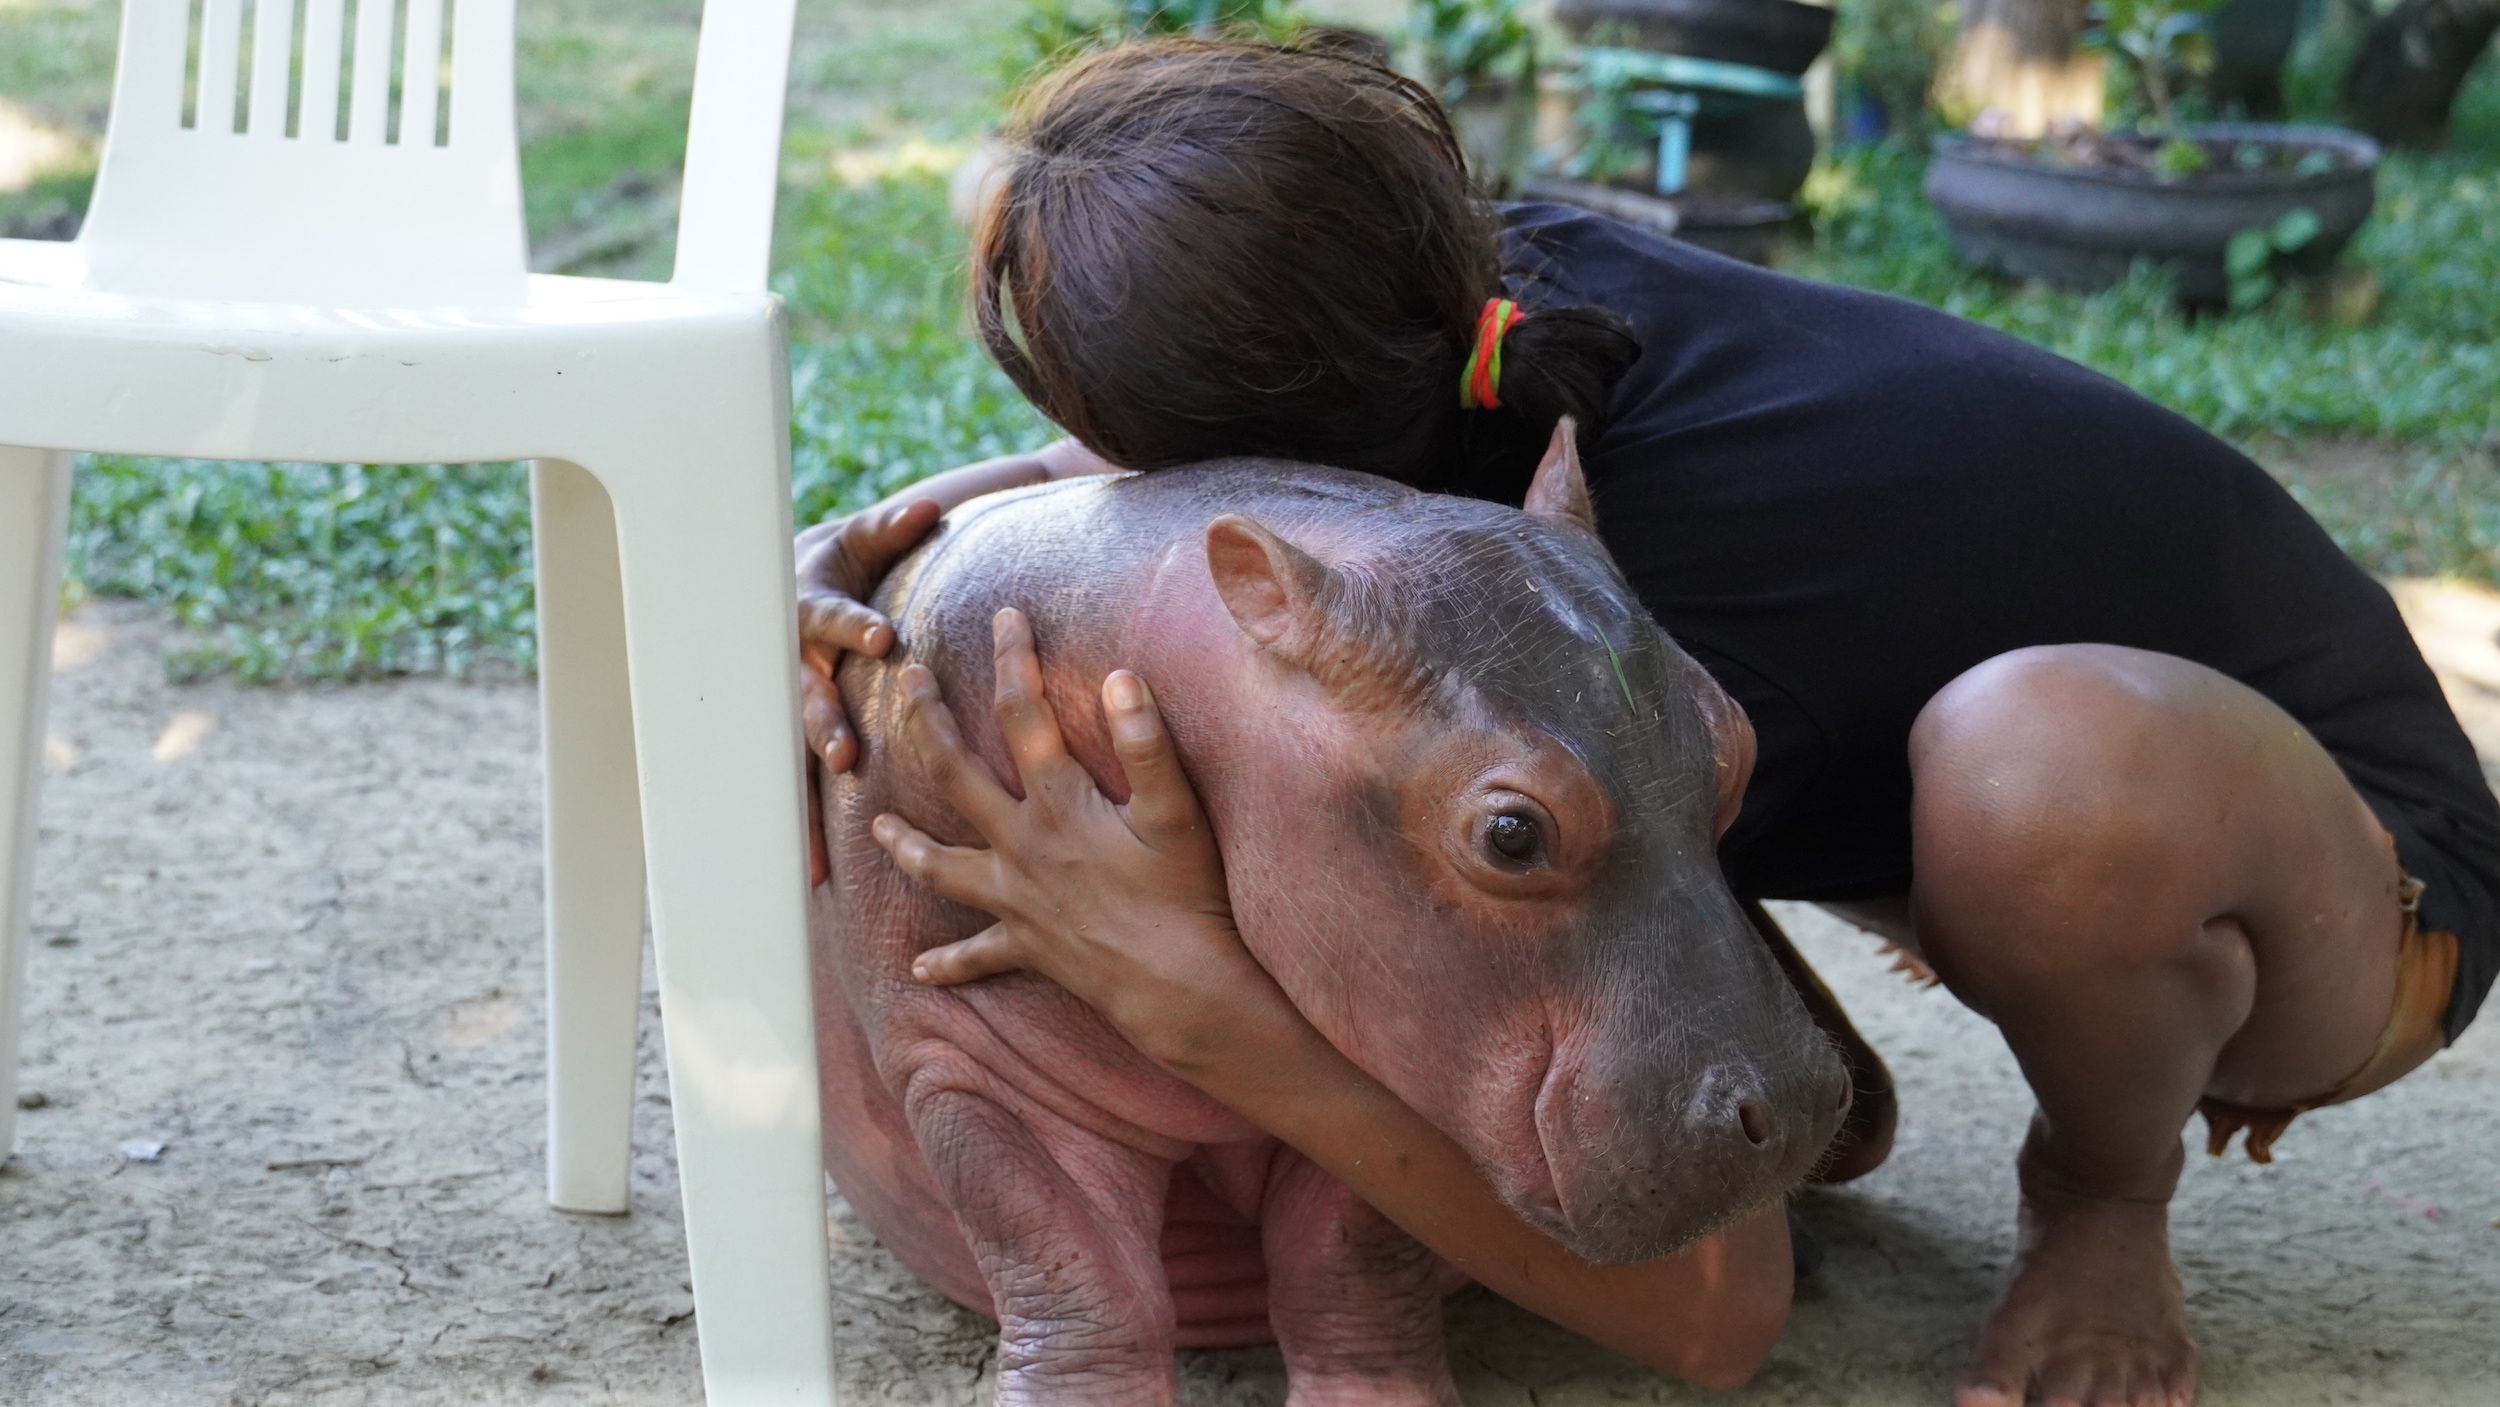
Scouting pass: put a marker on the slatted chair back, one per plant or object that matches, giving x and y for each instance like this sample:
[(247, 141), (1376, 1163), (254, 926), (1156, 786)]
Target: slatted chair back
[(305, 150)]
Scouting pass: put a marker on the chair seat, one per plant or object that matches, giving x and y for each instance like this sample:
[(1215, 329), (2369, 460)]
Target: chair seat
[(503, 377)]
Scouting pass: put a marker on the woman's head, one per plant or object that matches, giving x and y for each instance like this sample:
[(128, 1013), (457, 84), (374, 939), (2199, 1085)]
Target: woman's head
[(1209, 249)]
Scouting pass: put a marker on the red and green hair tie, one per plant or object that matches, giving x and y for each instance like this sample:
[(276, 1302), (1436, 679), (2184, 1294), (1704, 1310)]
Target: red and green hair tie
[(1479, 386)]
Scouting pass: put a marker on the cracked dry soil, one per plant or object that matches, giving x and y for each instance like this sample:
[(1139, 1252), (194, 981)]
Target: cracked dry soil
[(292, 937)]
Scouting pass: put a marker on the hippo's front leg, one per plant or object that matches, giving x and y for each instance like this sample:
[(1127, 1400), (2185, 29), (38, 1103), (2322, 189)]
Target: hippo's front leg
[(1063, 1224), (1355, 1301)]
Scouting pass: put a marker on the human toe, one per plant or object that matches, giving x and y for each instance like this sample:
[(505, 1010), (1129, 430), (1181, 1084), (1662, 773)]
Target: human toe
[(1985, 1386)]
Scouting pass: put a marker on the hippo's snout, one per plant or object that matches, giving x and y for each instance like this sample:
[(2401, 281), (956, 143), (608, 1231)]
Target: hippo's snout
[(1642, 1164)]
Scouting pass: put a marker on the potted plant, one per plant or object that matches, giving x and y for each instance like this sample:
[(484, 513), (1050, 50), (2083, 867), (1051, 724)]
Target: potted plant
[(2078, 206), (1479, 56)]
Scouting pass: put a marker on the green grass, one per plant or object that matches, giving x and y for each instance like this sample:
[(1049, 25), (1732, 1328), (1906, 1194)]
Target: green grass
[(315, 571), (2431, 510), (288, 572), (50, 206), (2425, 371), (887, 384), (57, 59)]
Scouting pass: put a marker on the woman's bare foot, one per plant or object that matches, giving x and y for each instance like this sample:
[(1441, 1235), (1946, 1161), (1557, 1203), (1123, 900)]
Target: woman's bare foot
[(2093, 1318)]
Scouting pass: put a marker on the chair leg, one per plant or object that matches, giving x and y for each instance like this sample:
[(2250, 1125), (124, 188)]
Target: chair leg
[(704, 528), (34, 517), (594, 842)]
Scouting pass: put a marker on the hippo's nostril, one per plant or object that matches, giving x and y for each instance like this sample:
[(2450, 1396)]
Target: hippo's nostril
[(1755, 1123)]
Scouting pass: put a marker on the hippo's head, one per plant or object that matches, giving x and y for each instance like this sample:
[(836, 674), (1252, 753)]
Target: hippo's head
[(1489, 872)]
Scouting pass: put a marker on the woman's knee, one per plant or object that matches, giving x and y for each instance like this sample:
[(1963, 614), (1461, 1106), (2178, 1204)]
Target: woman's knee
[(2062, 780), (2060, 746)]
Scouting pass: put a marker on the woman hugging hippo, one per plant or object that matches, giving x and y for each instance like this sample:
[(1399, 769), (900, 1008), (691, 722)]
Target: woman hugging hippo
[(2050, 688)]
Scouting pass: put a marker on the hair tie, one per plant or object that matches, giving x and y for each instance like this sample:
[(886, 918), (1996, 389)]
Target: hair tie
[(1480, 383)]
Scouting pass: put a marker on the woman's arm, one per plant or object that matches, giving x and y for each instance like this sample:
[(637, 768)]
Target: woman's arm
[(1126, 907)]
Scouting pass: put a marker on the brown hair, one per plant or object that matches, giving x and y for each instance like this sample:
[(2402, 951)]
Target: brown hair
[(1200, 249)]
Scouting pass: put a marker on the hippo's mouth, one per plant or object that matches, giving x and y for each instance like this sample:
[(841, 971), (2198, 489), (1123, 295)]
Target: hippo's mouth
[(1606, 1202), (1534, 1193)]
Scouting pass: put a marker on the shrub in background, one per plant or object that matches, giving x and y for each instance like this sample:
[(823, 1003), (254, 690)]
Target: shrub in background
[(1888, 52)]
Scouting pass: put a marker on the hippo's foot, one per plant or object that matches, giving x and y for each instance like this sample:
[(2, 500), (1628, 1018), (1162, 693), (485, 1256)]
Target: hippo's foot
[(1062, 1225), (2093, 1317), (1356, 1302)]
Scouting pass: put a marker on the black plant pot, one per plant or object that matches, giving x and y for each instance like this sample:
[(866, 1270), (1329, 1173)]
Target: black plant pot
[(1780, 35), (2081, 226)]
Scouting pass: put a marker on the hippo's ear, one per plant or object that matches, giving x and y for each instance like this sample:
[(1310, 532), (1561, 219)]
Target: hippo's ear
[(1277, 592), (1558, 494)]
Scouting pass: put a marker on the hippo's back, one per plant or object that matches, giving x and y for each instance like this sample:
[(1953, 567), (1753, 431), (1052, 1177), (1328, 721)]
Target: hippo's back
[(1072, 552)]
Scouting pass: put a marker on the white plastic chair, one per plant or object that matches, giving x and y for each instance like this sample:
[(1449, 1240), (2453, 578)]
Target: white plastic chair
[(319, 268)]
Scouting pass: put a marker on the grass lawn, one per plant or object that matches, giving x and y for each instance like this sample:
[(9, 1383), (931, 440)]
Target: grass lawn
[(2389, 431)]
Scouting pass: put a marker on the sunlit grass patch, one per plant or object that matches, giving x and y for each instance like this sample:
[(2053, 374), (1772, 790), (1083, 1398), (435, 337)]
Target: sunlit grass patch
[(286, 572)]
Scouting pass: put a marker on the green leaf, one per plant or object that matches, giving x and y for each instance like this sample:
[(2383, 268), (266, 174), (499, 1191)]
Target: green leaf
[(2248, 253), (2179, 157), (2298, 226)]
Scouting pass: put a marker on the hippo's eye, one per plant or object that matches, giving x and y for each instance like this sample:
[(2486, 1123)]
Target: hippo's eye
[(1516, 839)]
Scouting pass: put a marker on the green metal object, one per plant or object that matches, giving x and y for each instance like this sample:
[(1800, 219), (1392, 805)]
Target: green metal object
[(1671, 89), (1600, 64)]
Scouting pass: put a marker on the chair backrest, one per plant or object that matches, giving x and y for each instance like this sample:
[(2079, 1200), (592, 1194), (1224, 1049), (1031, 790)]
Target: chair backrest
[(358, 150), (733, 144), (363, 152)]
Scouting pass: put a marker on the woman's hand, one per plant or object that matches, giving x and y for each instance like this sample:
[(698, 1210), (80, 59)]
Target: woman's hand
[(1125, 906), (840, 562)]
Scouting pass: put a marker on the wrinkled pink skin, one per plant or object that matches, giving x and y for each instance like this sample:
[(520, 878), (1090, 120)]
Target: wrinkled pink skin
[(1018, 1154)]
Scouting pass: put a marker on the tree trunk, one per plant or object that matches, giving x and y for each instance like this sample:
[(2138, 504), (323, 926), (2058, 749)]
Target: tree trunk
[(2015, 71), (2411, 64)]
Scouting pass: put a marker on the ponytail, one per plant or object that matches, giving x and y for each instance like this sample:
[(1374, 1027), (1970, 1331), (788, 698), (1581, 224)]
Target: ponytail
[(1555, 362)]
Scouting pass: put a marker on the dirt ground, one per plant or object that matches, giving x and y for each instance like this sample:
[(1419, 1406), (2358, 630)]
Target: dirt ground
[(291, 937)]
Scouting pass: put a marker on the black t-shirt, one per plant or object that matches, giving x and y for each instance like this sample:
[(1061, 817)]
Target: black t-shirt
[(1838, 501)]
